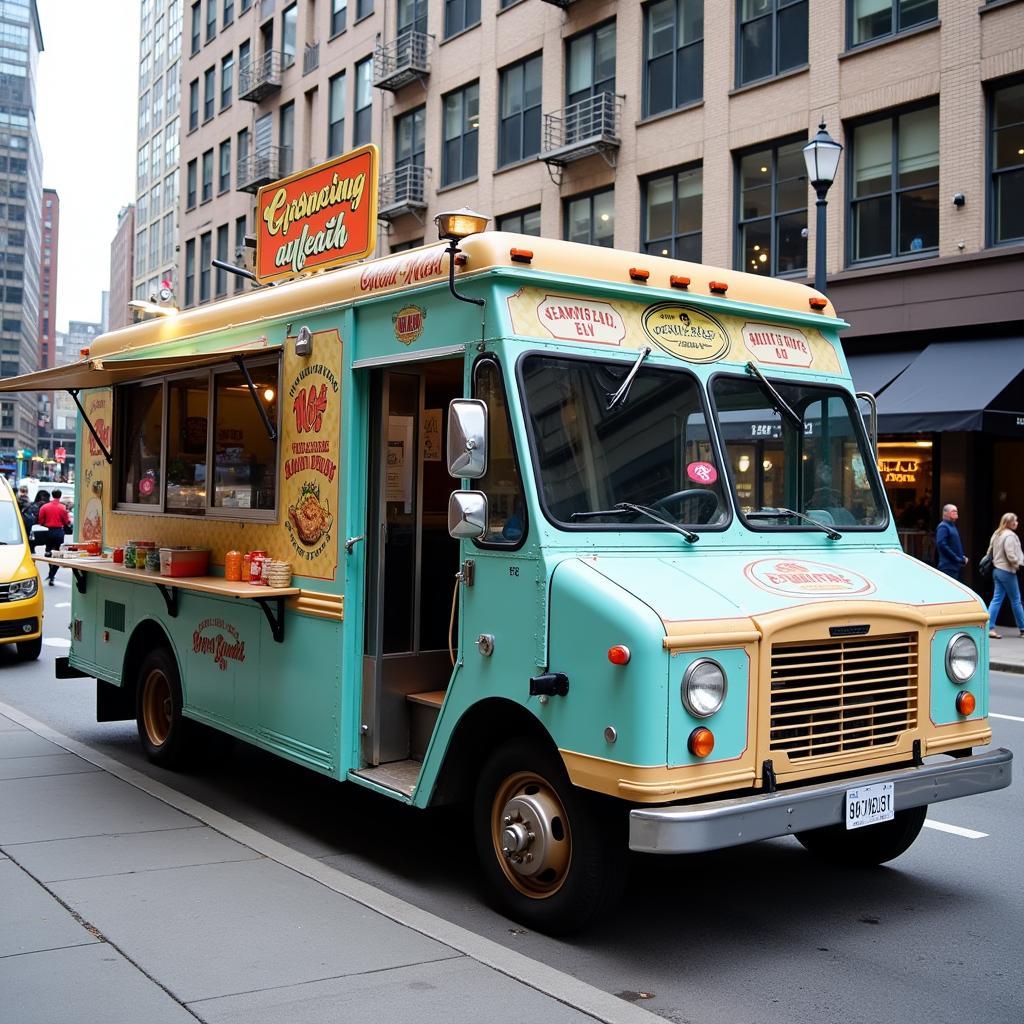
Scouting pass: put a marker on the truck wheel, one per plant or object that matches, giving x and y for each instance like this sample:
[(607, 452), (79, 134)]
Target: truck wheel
[(868, 846), (162, 727), (29, 650), (551, 855)]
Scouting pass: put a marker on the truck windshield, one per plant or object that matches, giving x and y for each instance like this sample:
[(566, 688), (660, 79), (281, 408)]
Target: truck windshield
[(653, 449), (819, 467)]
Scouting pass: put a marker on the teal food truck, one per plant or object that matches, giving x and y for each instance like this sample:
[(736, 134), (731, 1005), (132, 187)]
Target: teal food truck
[(601, 552)]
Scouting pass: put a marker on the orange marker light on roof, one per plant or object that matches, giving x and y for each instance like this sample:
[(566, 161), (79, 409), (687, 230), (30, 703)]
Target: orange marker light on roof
[(965, 702), (701, 742), (619, 654), (521, 255), (677, 281), (818, 303), (639, 274), (718, 287)]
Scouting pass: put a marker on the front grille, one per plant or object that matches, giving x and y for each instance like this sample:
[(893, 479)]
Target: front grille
[(835, 696), (14, 628), (5, 591)]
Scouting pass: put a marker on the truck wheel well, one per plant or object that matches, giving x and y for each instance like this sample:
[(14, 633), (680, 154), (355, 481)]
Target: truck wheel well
[(483, 727), (147, 635)]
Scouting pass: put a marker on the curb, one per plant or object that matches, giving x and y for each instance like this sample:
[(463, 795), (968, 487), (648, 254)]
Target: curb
[(579, 995), (1008, 666)]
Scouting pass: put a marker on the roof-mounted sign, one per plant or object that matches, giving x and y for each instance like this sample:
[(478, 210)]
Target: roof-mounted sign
[(322, 217)]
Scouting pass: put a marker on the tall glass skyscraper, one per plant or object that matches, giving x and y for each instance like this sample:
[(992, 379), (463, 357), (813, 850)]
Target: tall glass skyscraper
[(21, 186)]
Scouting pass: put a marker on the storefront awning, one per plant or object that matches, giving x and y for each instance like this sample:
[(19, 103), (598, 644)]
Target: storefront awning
[(874, 372), (103, 371), (957, 385)]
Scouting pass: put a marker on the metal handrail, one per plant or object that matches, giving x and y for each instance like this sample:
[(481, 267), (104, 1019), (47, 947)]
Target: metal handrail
[(310, 58), (261, 165), (265, 70), (408, 51), (404, 186), (596, 117)]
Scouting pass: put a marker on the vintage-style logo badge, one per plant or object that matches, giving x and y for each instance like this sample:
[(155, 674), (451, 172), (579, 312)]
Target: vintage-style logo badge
[(408, 323), (800, 578), (570, 319), (685, 333)]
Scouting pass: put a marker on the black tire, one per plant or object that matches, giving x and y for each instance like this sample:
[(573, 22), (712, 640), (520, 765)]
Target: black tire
[(29, 650), (580, 845), (869, 846), (163, 729)]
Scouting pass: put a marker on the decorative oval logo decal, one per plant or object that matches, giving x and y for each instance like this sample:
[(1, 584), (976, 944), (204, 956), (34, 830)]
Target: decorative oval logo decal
[(702, 472), (408, 323), (800, 578), (571, 319), (685, 333)]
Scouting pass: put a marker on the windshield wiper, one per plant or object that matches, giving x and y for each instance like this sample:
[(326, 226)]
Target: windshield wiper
[(623, 393), (782, 513), (628, 506), (781, 406)]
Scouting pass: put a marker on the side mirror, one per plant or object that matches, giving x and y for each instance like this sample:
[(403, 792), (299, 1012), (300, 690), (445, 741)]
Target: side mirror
[(467, 438), (467, 514)]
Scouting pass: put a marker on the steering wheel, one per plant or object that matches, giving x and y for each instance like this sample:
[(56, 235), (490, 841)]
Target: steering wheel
[(704, 498)]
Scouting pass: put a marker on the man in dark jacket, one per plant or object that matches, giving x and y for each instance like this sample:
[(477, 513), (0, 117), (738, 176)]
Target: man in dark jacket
[(947, 542)]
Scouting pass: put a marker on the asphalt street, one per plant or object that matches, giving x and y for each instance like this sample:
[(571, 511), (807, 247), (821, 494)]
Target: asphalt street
[(758, 934)]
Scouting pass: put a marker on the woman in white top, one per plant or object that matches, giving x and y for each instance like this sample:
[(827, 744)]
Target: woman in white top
[(1006, 560)]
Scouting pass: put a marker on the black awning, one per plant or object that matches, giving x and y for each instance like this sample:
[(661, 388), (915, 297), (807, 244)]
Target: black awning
[(955, 385), (876, 371)]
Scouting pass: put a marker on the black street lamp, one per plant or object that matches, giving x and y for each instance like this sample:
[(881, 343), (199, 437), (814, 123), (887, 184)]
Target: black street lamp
[(821, 155)]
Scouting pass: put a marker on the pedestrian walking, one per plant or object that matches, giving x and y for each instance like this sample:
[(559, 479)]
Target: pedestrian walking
[(31, 516), (948, 544), (54, 516), (1004, 547)]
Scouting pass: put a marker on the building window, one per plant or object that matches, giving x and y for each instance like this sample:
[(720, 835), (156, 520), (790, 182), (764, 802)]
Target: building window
[(193, 105), (410, 138), (227, 77), (207, 176), (229, 13), (224, 167), (363, 9), (336, 115), (461, 128), (519, 136), (412, 16), (773, 210), (244, 53), (339, 13), (591, 219), (590, 64), (190, 272), (673, 214), (240, 251), (673, 54), (167, 253), (289, 25), (363, 127), (522, 222), (197, 28), (894, 181), (205, 240), (211, 20), (220, 280), (873, 19), (1006, 198), (209, 92), (286, 138), (190, 184), (242, 145), (460, 15), (772, 38)]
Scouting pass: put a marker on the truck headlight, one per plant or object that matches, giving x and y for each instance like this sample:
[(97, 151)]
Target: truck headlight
[(961, 657), (21, 589), (703, 688)]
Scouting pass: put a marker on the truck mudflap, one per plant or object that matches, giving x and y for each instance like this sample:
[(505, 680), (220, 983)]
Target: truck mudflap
[(696, 828)]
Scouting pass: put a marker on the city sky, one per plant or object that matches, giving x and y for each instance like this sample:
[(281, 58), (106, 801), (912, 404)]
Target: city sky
[(86, 111)]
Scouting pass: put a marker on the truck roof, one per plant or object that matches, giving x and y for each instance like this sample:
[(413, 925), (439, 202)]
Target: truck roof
[(486, 252)]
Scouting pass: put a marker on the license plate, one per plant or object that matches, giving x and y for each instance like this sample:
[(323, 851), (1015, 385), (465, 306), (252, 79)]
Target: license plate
[(869, 805)]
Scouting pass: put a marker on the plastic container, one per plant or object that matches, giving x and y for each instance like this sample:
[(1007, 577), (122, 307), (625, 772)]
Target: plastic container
[(233, 566), (246, 561), (152, 560), (257, 559), (184, 561)]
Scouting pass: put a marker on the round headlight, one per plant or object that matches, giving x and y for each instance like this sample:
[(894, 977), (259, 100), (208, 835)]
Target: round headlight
[(961, 658), (703, 688)]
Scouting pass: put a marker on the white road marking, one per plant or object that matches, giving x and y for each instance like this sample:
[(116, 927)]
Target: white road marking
[(956, 830), (56, 641), (63, 604), (1009, 718)]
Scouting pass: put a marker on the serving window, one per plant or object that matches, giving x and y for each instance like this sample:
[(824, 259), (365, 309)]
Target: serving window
[(196, 444)]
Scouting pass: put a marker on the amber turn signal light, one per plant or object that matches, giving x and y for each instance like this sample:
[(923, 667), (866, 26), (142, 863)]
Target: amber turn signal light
[(619, 654), (965, 702), (701, 742)]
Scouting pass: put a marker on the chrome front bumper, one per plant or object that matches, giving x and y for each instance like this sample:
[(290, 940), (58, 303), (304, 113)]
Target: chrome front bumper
[(695, 828)]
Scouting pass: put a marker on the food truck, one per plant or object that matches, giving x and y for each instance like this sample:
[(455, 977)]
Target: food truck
[(591, 541)]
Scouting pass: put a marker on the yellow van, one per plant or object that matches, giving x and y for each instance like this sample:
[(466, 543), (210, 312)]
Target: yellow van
[(21, 595)]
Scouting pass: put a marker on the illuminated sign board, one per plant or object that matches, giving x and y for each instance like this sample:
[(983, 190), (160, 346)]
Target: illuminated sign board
[(899, 471), (322, 217)]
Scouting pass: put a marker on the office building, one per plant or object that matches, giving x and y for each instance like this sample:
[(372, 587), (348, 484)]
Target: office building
[(122, 264)]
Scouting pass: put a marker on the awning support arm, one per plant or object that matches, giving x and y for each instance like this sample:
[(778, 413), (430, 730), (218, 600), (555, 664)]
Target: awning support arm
[(73, 392), (271, 432)]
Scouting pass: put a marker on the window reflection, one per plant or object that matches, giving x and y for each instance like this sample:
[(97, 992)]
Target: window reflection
[(244, 456)]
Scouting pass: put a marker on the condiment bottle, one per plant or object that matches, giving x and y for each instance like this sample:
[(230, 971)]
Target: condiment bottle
[(246, 562), (233, 566)]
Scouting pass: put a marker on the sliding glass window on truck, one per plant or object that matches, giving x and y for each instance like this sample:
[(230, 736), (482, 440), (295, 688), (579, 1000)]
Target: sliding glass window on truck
[(167, 458)]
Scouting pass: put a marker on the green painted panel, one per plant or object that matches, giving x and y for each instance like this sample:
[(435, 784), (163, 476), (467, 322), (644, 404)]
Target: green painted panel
[(943, 690)]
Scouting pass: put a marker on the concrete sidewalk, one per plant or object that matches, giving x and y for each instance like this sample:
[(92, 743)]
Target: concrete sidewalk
[(1007, 654), (122, 900)]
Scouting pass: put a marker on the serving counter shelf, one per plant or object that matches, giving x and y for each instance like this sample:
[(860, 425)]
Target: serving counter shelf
[(270, 599)]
